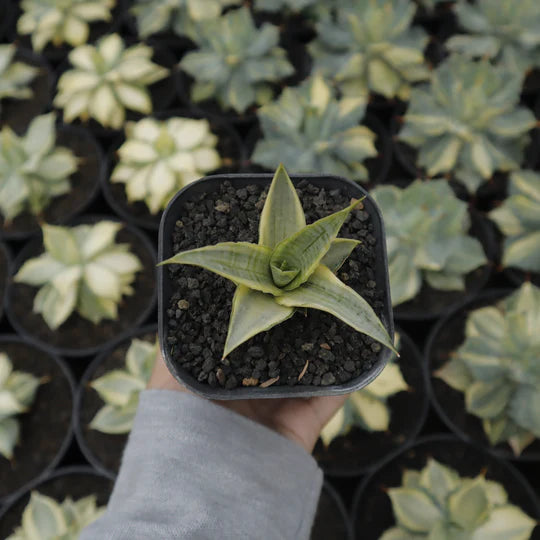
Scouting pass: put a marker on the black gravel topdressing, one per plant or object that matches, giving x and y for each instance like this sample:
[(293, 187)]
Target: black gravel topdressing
[(199, 309)]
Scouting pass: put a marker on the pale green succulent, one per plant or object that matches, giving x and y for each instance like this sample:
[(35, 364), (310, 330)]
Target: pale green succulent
[(236, 62), (82, 270), (183, 16), (497, 368), (506, 30), (468, 121), (426, 238), (309, 130), (367, 408), (161, 157), (61, 21), (279, 5), (17, 393), (291, 267), (108, 79), (15, 77), (32, 169), (120, 388), (518, 218), (44, 518), (371, 47), (438, 504)]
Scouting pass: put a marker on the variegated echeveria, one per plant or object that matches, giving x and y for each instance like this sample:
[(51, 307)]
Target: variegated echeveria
[(467, 121), (32, 169), (279, 5), (292, 266), (15, 77), (120, 388), (17, 393), (436, 503), (161, 157), (426, 238), (107, 79), (309, 130), (371, 47), (82, 270), (236, 62), (518, 218), (498, 370)]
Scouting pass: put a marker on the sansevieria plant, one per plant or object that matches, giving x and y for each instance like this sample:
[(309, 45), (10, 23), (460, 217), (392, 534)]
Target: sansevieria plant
[(292, 266), (120, 388), (14, 76)]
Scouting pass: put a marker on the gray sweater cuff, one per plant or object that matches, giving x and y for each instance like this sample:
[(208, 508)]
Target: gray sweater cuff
[(193, 469)]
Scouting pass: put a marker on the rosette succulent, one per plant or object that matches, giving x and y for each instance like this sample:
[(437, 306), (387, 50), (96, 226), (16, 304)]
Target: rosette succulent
[(236, 62), (436, 503), (17, 393), (279, 5), (120, 388), (309, 130), (61, 22), (108, 79), (15, 77), (291, 267), (467, 121), (518, 218), (161, 157), (426, 238), (497, 368), (82, 270), (44, 518), (370, 47), (32, 169)]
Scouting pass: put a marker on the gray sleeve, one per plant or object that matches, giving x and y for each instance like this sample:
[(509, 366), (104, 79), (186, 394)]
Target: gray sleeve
[(195, 470)]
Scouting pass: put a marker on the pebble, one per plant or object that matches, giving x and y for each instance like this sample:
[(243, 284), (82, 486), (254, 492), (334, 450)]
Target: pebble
[(328, 378)]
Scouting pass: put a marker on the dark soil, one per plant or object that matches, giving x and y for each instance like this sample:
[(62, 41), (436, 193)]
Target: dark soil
[(330, 520), (4, 275), (372, 512), (78, 333), (450, 402), (361, 449), (334, 352), (74, 484), (45, 426)]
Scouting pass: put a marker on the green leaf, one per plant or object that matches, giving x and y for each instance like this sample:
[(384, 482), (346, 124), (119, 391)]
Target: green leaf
[(38, 270), (140, 358), (525, 408), (117, 387), (439, 480), (414, 510), (334, 427), (455, 374), (488, 399), (388, 383), (395, 533), (43, 517), (469, 505), (9, 435), (9, 405), (373, 413), (61, 243), (23, 386), (505, 523), (115, 420), (339, 251)]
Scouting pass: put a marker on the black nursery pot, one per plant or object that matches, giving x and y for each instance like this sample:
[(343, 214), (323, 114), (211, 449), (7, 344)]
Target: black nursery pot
[(5, 273), (444, 339), (284, 336), (74, 482), (78, 336), (331, 519), (45, 430), (372, 510), (360, 450), (102, 450)]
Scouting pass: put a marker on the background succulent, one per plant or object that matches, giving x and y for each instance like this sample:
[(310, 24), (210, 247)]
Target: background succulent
[(120, 388), (82, 270), (497, 368), (236, 62), (63, 21), (17, 393), (436, 503), (161, 157), (518, 218), (371, 47), (278, 5), (426, 238), (107, 79), (467, 121), (32, 169), (309, 130), (15, 77)]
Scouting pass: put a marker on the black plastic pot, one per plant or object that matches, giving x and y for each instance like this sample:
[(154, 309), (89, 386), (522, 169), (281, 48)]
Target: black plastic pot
[(174, 212), (372, 511), (360, 451), (331, 519), (518, 277), (446, 337), (77, 336), (5, 274), (7, 15), (85, 182), (102, 450), (46, 431), (75, 482)]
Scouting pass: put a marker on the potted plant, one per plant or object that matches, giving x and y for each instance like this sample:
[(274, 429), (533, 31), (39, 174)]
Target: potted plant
[(16, 76), (5, 274), (191, 299), (35, 426), (331, 519), (96, 281)]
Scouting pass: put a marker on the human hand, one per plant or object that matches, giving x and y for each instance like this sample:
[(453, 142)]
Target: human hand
[(297, 419)]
